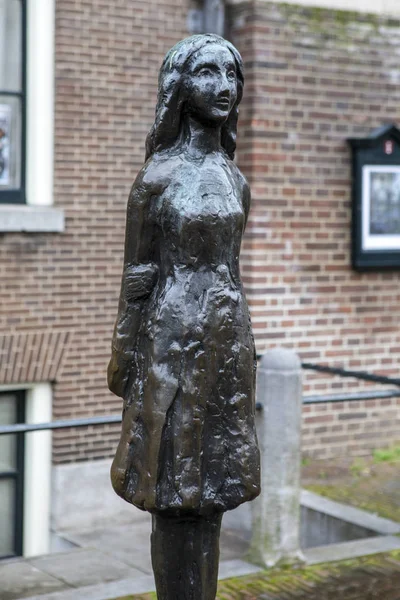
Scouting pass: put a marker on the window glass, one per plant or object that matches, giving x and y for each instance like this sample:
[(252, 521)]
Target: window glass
[(11, 476), (10, 142), (8, 445), (7, 516), (10, 45), (12, 101)]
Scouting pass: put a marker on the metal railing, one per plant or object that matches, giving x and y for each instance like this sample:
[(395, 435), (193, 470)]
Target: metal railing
[(62, 424), (362, 375), (312, 399), (349, 397)]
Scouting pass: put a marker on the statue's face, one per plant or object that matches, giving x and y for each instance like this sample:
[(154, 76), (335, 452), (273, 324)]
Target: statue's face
[(211, 84)]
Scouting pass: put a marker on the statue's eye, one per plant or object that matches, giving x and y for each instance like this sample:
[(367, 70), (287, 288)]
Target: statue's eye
[(205, 71), (231, 75)]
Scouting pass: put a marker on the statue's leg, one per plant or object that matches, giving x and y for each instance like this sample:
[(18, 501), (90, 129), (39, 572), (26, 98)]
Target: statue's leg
[(185, 554)]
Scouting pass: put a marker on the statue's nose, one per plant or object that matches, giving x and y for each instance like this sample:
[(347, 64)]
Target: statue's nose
[(224, 93), (224, 86)]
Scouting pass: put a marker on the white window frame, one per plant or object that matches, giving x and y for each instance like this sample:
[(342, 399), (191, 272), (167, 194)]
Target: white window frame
[(40, 102)]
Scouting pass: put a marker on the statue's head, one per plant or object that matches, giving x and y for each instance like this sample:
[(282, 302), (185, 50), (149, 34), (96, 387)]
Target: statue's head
[(201, 76)]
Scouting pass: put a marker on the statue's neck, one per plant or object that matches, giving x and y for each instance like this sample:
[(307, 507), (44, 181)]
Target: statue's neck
[(200, 138)]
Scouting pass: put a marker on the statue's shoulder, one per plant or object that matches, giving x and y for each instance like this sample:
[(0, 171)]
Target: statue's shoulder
[(241, 179), (157, 171), (152, 178)]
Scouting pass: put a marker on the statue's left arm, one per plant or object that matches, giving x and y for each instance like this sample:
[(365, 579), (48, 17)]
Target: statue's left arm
[(138, 280)]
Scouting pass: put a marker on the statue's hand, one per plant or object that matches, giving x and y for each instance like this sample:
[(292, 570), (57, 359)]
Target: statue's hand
[(117, 375), (139, 281)]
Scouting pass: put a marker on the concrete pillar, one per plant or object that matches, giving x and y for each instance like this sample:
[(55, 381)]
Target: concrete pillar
[(276, 513)]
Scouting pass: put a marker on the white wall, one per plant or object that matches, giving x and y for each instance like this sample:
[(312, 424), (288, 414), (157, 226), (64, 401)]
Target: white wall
[(83, 498)]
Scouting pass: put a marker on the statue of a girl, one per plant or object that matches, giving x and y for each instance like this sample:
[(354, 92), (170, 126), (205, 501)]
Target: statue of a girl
[(183, 352)]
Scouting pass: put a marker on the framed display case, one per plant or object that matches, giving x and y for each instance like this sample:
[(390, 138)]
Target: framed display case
[(376, 199)]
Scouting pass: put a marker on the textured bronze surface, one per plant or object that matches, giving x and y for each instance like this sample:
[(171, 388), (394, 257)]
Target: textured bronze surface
[(183, 356)]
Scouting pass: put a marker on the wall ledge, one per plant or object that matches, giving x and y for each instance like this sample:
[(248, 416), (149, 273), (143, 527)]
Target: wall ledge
[(384, 8), (31, 219)]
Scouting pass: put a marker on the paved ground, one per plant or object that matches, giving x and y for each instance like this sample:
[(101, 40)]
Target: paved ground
[(373, 578), (108, 563), (106, 559)]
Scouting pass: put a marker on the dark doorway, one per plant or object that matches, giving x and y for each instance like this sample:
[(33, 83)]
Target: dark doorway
[(12, 410)]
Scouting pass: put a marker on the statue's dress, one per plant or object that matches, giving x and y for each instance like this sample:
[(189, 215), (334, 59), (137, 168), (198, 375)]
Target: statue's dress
[(188, 442)]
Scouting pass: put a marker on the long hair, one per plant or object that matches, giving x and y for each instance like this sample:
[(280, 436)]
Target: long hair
[(170, 102)]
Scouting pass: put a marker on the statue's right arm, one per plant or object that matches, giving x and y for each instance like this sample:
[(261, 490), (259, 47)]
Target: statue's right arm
[(138, 280)]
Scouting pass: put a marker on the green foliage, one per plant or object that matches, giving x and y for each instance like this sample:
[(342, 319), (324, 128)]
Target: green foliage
[(358, 467), (299, 582), (356, 495), (387, 454)]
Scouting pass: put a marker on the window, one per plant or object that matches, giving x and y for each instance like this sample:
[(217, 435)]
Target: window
[(12, 409), (12, 101), (27, 117)]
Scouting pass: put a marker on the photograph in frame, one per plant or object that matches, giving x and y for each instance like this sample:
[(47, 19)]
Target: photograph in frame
[(5, 144), (381, 207)]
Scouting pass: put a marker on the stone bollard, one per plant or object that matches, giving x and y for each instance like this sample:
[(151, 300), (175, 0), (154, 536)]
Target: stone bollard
[(276, 513)]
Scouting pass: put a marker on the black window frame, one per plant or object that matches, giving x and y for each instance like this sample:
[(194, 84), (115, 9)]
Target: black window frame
[(18, 196), (17, 475)]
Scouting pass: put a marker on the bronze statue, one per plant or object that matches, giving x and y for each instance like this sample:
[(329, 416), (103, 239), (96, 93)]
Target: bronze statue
[(183, 356)]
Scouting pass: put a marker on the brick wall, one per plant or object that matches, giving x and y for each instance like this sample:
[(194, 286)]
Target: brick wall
[(107, 60), (313, 78), (348, 429)]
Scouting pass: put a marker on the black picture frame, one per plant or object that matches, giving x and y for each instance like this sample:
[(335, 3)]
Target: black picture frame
[(376, 199)]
